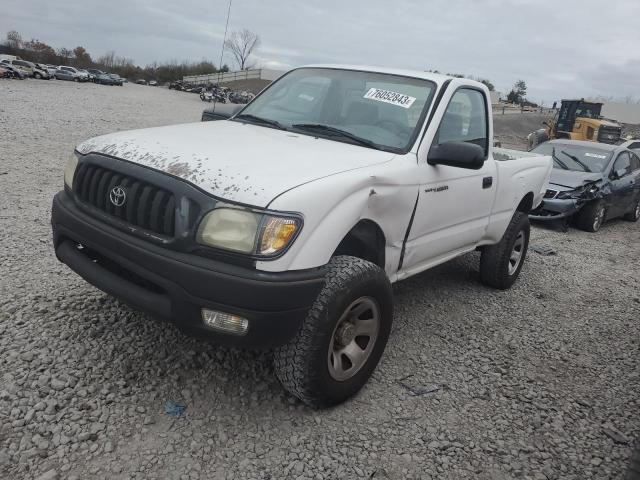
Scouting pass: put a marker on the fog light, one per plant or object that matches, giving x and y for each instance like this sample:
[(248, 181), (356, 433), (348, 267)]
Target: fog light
[(225, 322)]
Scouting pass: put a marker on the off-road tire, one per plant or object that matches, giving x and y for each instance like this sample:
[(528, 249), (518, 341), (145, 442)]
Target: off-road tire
[(633, 473), (634, 214), (301, 365), (586, 217), (494, 262)]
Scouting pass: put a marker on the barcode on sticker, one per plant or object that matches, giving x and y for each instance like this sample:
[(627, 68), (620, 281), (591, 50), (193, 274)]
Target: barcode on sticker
[(387, 96)]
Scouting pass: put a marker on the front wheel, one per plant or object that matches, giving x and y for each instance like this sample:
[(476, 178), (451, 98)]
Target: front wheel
[(591, 217), (634, 214), (343, 337), (38, 76), (500, 264)]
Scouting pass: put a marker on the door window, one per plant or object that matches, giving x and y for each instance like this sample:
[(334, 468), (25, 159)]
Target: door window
[(465, 119), (635, 162), (622, 166)]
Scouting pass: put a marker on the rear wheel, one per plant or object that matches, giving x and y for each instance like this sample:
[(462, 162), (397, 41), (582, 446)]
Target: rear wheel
[(591, 217), (634, 214), (37, 75), (343, 337), (500, 264)]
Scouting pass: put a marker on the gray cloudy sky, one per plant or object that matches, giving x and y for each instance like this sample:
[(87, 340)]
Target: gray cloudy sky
[(562, 48)]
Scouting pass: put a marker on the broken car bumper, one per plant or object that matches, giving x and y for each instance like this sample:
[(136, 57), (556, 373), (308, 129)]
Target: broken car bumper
[(176, 286), (556, 209)]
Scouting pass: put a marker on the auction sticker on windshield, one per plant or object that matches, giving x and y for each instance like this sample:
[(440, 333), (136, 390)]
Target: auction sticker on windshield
[(387, 96)]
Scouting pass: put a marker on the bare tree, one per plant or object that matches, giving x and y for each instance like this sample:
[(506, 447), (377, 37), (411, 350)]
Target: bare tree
[(14, 40), (107, 60), (241, 44)]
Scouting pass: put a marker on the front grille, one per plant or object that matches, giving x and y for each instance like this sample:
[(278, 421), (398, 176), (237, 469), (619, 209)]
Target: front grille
[(146, 206), (550, 193), (609, 135)]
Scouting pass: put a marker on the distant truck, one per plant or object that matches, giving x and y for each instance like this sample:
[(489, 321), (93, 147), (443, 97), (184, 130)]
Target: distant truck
[(578, 120), (285, 225)]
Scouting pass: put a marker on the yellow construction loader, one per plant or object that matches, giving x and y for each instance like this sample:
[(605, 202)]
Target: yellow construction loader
[(578, 120)]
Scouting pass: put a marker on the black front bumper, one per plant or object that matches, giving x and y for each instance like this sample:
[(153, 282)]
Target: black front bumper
[(175, 286)]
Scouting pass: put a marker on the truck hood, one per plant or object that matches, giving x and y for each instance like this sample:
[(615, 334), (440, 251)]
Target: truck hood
[(572, 179), (239, 162)]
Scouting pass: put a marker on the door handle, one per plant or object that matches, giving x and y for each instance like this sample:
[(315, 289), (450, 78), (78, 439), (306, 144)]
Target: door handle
[(487, 182)]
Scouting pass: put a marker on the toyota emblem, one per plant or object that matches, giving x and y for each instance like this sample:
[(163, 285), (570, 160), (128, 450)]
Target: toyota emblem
[(117, 196)]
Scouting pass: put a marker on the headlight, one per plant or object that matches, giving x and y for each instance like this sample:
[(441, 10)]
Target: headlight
[(247, 231), (581, 192), (276, 234), (70, 170)]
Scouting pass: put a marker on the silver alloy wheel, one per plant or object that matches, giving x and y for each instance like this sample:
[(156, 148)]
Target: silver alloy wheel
[(353, 338), (598, 219), (517, 253), (637, 212)]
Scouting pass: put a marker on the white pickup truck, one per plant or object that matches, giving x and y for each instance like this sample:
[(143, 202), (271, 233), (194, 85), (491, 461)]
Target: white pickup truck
[(285, 225)]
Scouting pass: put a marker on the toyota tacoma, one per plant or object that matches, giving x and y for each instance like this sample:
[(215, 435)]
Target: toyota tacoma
[(285, 225)]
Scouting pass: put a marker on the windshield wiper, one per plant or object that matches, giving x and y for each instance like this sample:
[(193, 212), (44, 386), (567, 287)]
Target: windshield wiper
[(577, 160), (265, 121), (557, 160), (328, 130)]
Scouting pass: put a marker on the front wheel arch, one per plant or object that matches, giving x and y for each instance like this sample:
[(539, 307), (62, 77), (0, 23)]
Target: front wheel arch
[(526, 204), (365, 240)]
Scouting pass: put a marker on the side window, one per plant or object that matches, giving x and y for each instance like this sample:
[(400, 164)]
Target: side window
[(635, 162), (634, 146), (465, 119), (622, 166)]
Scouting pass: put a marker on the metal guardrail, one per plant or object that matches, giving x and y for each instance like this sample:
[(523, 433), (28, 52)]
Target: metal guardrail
[(256, 73)]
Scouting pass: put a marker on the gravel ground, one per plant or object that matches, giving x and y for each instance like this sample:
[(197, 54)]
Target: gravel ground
[(538, 382)]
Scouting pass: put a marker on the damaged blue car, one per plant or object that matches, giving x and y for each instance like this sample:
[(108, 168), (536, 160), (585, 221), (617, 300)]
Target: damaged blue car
[(590, 184)]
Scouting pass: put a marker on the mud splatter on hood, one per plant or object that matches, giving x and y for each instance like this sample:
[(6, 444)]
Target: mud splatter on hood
[(239, 162)]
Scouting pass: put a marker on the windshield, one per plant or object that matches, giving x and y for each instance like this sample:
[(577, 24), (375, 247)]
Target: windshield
[(575, 157), (371, 109), (588, 110)]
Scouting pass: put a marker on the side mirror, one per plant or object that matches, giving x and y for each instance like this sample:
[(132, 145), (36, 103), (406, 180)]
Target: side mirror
[(457, 154), (616, 174)]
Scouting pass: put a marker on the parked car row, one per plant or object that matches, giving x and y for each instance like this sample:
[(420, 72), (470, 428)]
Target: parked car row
[(22, 69), (9, 71), (16, 68)]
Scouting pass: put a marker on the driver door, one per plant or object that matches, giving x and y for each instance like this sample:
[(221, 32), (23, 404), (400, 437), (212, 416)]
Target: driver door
[(622, 185), (454, 204)]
